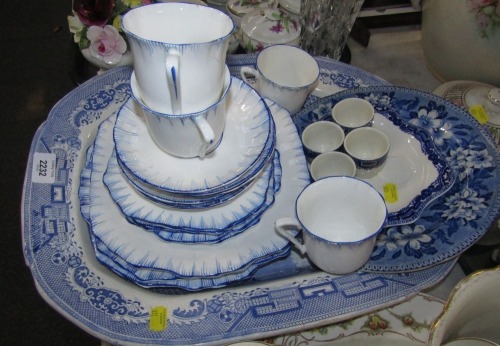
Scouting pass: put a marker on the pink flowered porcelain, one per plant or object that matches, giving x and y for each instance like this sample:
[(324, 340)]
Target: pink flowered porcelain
[(461, 39)]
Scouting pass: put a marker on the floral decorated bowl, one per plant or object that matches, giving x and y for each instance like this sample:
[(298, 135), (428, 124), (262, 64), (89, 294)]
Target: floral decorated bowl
[(263, 28)]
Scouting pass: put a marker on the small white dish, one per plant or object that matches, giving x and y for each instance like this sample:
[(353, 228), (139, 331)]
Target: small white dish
[(332, 164), (369, 148), (322, 137), (249, 140), (352, 113)]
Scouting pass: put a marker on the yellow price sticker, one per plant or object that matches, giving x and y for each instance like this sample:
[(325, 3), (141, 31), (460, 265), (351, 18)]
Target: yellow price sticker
[(479, 113), (158, 318), (391, 193)]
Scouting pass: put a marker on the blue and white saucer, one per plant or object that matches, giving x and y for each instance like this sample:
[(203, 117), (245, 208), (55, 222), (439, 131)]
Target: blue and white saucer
[(204, 225), (247, 145), (179, 201)]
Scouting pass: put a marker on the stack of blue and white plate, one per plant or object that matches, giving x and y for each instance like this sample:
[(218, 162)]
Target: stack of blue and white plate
[(162, 221)]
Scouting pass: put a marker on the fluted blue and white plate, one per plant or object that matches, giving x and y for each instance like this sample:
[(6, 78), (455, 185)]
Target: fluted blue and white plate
[(247, 145), (143, 249), (175, 200), (445, 220), (147, 277), (281, 297), (212, 224)]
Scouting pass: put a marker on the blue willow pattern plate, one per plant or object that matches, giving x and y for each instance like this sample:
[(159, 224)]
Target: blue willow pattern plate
[(454, 221), (282, 297)]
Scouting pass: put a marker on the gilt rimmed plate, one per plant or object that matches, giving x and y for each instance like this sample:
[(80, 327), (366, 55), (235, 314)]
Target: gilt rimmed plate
[(246, 146), (406, 324), (143, 249), (454, 221)]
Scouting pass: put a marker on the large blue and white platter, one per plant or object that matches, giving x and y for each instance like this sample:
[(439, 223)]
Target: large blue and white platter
[(285, 296), (446, 220)]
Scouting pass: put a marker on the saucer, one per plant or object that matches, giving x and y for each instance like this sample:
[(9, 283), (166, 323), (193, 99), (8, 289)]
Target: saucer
[(258, 244), (204, 225), (247, 144), (180, 201)]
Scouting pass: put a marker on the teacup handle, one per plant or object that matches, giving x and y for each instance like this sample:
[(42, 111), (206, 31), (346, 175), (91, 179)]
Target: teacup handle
[(246, 70), (172, 71), (206, 132), (284, 225)]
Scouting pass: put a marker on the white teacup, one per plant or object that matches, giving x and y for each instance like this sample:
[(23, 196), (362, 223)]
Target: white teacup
[(179, 53), (332, 164), (285, 74), (369, 148), (340, 218), (186, 135), (321, 137), (352, 113)]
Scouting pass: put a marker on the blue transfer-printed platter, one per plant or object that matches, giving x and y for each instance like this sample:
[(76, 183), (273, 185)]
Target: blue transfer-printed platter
[(451, 223), (283, 297), (415, 170)]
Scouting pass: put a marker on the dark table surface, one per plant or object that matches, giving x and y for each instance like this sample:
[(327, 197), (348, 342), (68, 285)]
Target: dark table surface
[(36, 63)]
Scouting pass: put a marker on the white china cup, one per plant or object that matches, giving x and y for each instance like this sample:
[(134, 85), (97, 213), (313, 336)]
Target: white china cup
[(321, 137), (179, 52), (332, 164), (340, 218), (369, 148), (285, 74), (352, 113), (186, 135)]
